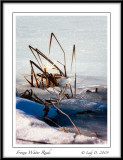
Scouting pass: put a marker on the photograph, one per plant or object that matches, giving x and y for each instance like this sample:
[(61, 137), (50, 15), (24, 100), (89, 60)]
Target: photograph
[(61, 70), (61, 78)]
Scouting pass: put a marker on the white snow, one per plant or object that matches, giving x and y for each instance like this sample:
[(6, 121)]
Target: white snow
[(29, 129), (88, 140)]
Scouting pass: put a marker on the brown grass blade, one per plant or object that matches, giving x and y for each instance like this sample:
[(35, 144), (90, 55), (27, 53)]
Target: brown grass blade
[(29, 82), (52, 35), (50, 42), (34, 55), (73, 55)]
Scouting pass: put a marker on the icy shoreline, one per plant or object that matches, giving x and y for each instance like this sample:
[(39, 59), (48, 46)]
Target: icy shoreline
[(31, 130)]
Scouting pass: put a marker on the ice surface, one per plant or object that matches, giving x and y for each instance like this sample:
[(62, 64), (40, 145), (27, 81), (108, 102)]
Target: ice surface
[(88, 33), (34, 109), (78, 105)]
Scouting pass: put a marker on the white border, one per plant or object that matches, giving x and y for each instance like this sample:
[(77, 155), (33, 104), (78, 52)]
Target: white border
[(114, 9)]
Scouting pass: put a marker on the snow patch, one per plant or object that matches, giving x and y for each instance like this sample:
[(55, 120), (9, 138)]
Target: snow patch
[(31, 129), (88, 140)]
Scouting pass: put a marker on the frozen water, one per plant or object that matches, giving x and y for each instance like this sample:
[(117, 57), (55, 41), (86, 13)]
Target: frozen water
[(88, 33), (87, 110), (32, 108)]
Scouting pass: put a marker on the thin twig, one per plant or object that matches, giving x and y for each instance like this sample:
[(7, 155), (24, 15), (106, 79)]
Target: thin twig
[(62, 128), (68, 117)]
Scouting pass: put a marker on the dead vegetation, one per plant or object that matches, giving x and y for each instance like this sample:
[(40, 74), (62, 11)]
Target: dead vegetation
[(45, 79)]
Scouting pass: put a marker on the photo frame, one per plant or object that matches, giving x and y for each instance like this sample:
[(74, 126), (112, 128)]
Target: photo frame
[(13, 61)]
